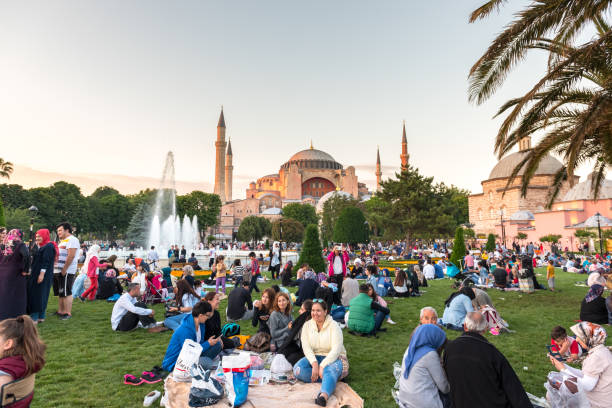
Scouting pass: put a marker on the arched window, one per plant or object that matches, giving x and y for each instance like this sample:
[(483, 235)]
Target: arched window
[(490, 196), (502, 211), (492, 212), (480, 214)]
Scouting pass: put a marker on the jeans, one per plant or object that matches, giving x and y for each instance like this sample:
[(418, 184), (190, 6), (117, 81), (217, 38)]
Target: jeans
[(331, 373), (173, 322), (379, 318), (449, 326), (207, 357), (221, 281), (253, 284)]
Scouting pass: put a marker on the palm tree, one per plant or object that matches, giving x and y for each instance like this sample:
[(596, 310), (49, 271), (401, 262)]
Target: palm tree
[(6, 168), (571, 104)]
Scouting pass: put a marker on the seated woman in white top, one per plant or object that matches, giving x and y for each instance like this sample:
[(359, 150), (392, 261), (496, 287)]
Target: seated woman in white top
[(595, 378), (186, 298), (423, 378)]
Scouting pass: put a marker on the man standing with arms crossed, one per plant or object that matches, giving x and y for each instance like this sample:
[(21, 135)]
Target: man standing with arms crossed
[(65, 269)]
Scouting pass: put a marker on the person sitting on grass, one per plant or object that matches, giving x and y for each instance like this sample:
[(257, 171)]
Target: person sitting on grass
[(213, 324), (380, 300), (307, 288), (500, 276), (186, 298), (595, 378), (400, 285), (593, 308), (188, 275), (350, 289), (423, 382), (262, 309), (291, 348), (236, 300), (279, 320), (567, 346), (237, 271), (457, 306), (128, 312), (428, 315), (478, 374), (324, 353), (366, 316), (193, 328), (22, 354)]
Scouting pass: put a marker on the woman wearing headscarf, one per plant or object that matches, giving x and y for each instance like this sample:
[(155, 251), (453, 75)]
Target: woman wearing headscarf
[(593, 308), (595, 378), (91, 267), (41, 278), (14, 268), (423, 378), (457, 306)]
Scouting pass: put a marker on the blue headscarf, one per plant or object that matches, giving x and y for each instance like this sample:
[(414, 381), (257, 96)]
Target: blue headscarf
[(426, 338)]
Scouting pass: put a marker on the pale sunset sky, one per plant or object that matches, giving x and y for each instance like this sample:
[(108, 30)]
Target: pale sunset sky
[(110, 86)]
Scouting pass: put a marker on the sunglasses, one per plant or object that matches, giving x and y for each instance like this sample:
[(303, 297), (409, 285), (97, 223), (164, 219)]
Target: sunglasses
[(318, 300)]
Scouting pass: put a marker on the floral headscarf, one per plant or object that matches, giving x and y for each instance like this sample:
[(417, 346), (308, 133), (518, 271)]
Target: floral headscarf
[(590, 333), (594, 292), (13, 238), (309, 274)]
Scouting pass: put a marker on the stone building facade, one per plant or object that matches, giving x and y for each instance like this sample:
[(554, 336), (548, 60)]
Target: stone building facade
[(489, 208)]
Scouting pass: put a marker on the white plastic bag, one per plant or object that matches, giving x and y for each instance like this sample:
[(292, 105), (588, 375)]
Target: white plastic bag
[(236, 369), (563, 397), (280, 365), (189, 355)]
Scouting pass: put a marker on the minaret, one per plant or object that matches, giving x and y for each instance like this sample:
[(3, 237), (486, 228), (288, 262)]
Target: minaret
[(404, 156), (378, 172), (229, 169), (220, 159)]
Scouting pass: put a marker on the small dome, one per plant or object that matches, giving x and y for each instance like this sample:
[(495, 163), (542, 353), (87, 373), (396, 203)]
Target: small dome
[(503, 169), (313, 159), (522, 216), (329, 195), (591, 222), (584, 190), (272, 211)]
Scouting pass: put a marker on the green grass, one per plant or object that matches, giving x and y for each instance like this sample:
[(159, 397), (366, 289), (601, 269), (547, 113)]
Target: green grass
[(86, 360)]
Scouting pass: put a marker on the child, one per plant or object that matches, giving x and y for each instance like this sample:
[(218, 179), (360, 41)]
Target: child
[(221, 273), (568, 347), (550, 275), (22, 353), (237, 272)]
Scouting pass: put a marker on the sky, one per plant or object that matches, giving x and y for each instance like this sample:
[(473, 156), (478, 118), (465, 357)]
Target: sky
[(110, 86)]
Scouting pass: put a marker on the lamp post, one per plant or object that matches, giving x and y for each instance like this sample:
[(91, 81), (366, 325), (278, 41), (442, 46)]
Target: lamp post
[(33, 211), (598, 215), (367, 228), (503, 230)]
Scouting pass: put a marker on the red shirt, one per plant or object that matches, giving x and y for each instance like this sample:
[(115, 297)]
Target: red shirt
[(574, 347)]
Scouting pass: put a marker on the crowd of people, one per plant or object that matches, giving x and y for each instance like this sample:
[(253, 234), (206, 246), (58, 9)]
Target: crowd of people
[(349, 294)]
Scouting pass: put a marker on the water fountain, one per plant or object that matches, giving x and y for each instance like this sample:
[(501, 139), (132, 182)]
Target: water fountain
[(170, 231)]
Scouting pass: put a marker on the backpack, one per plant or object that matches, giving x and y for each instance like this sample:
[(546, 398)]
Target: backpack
[(230, 329)]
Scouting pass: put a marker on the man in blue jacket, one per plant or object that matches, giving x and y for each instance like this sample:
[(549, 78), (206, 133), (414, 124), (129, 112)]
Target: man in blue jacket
[(193, 328)]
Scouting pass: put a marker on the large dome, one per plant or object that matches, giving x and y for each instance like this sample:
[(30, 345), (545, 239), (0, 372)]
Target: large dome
[(584, 190), (313, 159), (503, 169)]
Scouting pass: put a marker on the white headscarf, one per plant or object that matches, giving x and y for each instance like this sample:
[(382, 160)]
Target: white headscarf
[(94, 250)]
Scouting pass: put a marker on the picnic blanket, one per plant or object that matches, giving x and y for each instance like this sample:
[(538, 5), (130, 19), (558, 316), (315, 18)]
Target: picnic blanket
[(299, 395)]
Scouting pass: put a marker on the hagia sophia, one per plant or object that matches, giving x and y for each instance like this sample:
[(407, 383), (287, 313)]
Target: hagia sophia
[(309, 176)]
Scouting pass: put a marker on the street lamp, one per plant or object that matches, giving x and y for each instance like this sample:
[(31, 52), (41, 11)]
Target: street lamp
[(503, 230), (598, 215), (33, 211)]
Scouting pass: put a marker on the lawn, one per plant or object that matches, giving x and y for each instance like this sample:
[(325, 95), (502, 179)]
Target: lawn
[(86, 360)]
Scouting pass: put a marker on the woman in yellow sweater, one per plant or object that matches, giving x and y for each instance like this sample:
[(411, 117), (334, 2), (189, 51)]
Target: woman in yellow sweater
[(325, 357)]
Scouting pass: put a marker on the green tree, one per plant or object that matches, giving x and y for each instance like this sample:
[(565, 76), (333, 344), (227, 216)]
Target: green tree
[(375, 210), (138, 228), (351, 227), (2, 218), (253, 228), (304, 213), (570, 104), (469, 233), (292, 230), (20, 218), (521, 236), (15, 196), (490, 245), (458, 253), (206, 206), (331, 211), (6, 169), (311, 250)]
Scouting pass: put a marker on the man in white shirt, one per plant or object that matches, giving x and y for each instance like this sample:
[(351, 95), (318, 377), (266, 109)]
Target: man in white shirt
[(429, 271), (65, 269), (127, 312), (153, 257)]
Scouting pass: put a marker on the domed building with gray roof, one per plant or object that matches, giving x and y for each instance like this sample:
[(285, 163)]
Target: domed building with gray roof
[(488, 209)]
